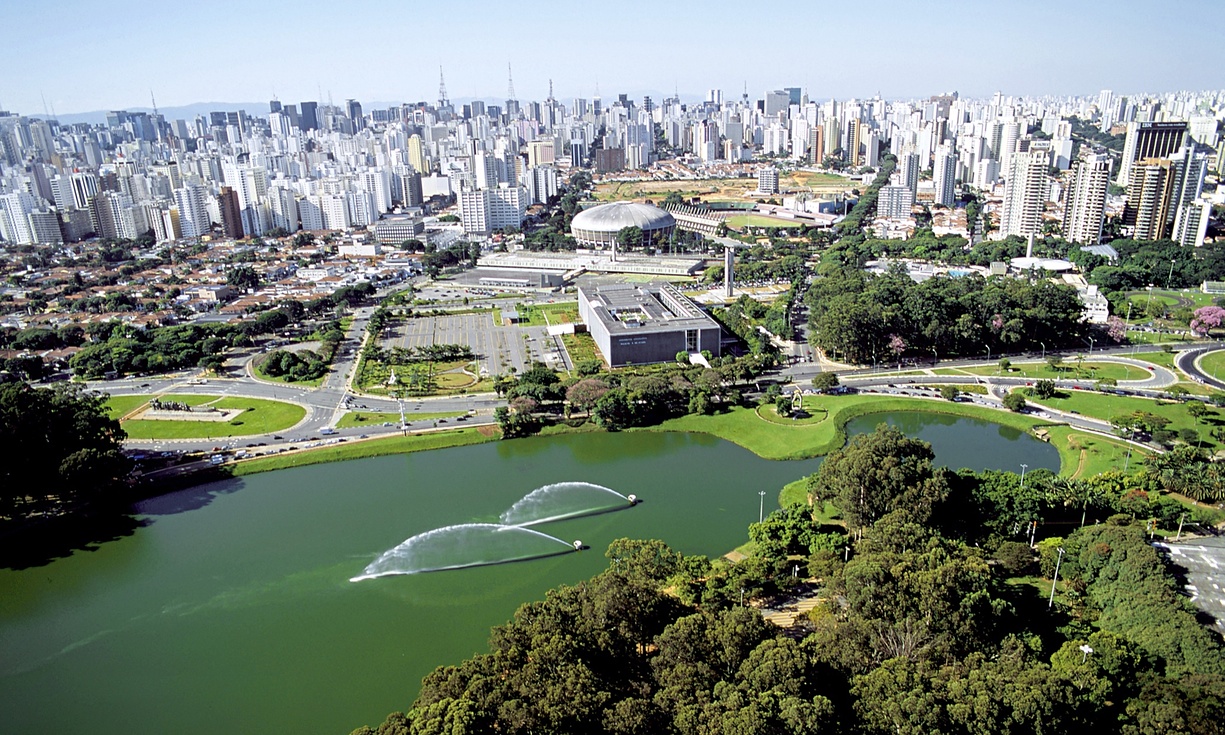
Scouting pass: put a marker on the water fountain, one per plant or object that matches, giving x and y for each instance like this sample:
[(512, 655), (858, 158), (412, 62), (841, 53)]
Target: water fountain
[(481, 544), (562, 500), (463, 545)]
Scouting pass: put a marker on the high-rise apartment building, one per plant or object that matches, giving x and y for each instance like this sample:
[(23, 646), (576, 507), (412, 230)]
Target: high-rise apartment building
[(1191, 223), (1150, 189), (1025, 189), (1085, 207), (767, 180), (908, 170), (193, 210), (482, 211), (894, 202), (944, 175)]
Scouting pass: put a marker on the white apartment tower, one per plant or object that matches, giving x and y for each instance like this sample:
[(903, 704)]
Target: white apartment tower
[(944, 174), (192, 202), (1085, 208), (1025, 189)]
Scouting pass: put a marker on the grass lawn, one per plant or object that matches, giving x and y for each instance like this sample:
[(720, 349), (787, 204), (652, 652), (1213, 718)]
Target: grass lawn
[(744, 427), (1213, 363), (1164, 359), (370, 448), (377, 418), (259, 417), (1096, 454), (1067, 371), (540, 315), (1152, 338), (815, 415), (757, 220), (120, 406), (581, 347), (1105, 406)]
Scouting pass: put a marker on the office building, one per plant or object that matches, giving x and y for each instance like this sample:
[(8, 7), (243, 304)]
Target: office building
[(645, 323), (308, 118), (484, 211), (1085, 206), (1149, 140), (231, 213)]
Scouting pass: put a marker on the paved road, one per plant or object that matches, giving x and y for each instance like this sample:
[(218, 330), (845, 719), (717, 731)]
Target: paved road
[(1188, 362)]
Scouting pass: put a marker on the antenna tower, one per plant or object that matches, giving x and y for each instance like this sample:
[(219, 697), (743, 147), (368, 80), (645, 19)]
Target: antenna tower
[(442, 88), (510, 83)]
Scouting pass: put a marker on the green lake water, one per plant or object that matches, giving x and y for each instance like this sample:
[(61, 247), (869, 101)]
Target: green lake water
[(231, 609)]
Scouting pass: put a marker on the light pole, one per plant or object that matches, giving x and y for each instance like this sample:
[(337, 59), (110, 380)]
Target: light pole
[(1091, 341), (1086, 650), (935, 357), (1051, 602), (1043, 350), (1023, 468), (761, 505), (1169, 280)]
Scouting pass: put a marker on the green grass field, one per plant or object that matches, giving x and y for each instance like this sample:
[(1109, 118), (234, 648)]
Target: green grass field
[(370, 448), (259, 416), (581, 347), (1105, 407), (1151, 338), (757, 220), (1095, 454), (120, 406), (744, 427), (1069, 370), (375, 418), (540, 315), (1213, 364), (1164, 359)]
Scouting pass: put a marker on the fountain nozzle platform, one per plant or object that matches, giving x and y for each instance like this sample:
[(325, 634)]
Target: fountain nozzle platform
[(578, 545), (633, 499)]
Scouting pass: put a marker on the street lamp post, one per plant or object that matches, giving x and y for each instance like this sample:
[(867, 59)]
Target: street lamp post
[(1023, 468), (1051, 602), (935, 357), (1086, 650), (761, 505), (1169, 279), (1043, 350), (1091, 341)]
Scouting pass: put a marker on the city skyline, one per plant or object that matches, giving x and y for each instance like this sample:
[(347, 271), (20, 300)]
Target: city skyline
[(899, 52)]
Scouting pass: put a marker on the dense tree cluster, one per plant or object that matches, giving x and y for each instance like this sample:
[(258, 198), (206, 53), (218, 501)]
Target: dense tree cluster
[(867, 317), (917, 631), (59, 451), (294, 366)]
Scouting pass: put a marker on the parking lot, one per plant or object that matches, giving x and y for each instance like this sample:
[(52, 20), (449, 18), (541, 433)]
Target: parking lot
[(497, 348)]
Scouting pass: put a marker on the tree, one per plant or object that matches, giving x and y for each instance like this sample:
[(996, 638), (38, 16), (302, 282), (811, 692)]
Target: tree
[(1207, 318), (825, 381), (1055, 363), (59, 451), (949, 392), (243, 278), (879, 472), (1044, 389), (1005, 365), (1015, 402), (629, 238)]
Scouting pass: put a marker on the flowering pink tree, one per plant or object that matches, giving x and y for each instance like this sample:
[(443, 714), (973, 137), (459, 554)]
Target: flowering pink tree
[(997, 323), (1207, 317), (1116, 329)]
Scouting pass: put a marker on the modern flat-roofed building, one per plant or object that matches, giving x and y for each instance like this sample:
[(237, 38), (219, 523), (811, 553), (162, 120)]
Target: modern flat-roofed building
[(645, 323)]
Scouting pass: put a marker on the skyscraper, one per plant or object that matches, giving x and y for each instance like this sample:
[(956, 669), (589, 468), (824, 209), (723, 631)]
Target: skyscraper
[(193, 211), (1149, 140), (908, 170), (944, 173), (1150, 189), (1025, 189), (231, 213), (308, 118), (1085, 208)]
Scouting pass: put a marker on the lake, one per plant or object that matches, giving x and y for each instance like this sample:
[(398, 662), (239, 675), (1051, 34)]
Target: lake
[(231, 609)]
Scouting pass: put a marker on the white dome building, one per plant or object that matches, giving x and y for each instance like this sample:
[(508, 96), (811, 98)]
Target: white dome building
[(598, 227)]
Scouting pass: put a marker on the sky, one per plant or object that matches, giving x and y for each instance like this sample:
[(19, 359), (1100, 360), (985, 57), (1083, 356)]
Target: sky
[(85, 55)]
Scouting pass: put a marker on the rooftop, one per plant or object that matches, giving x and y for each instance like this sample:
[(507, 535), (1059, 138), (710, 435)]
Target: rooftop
[(649, 307)]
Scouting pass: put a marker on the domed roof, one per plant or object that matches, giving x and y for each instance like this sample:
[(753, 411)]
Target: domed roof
[(615, 216)]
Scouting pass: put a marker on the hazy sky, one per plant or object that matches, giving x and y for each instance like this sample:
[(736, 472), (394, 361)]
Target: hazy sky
[(83, 55)]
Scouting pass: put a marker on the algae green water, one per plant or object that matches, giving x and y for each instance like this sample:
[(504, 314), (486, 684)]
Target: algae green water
[(231, 610)]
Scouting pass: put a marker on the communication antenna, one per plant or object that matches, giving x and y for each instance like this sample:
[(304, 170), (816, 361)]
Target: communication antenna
[(510, 83), (154, 101), (45, 110), (550, 89), (442, 88)]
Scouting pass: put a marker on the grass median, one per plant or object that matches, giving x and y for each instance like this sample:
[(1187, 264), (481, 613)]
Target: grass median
[(1106, 407), (369, 448), (259, 416)]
